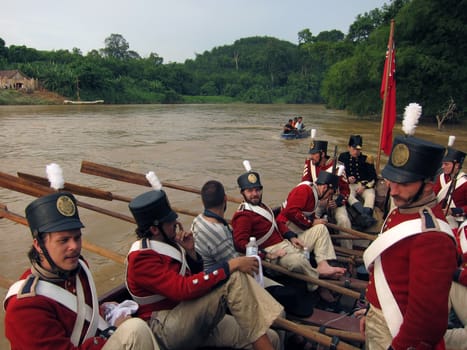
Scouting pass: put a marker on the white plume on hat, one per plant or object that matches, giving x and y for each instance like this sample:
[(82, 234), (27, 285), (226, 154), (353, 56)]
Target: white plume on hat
[(247, 165), (412, 114), (153, 180), (313, 133), (55, 176), (451, 141)]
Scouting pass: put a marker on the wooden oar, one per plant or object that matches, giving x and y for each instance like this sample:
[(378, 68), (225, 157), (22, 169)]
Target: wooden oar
[(5, 213), (351, 231), (34, 189), (134, 178), (76, 189), (309, 279), (140, 179), (348, 251), (5, 282), (342, 334), (310, 334), (93, 192)]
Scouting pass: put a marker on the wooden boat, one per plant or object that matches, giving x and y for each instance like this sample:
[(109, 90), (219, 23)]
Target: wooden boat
[(311, 327), (71, 102), (296, 135)]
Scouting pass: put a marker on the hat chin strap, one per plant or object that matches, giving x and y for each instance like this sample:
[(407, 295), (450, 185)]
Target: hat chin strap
[(63, 274), (415, 198)]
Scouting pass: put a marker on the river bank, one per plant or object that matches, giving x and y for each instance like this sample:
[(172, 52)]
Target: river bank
[(38, 97)]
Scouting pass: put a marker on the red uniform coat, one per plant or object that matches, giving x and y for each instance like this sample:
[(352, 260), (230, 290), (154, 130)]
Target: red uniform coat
[(419, 272), (459, 195), (460, 275), (246, 224), (151, 273), (300, 200), (41, 323), (344, 188)]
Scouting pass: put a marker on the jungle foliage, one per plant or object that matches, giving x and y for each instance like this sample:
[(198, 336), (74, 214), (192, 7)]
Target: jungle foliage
[(342, 71)]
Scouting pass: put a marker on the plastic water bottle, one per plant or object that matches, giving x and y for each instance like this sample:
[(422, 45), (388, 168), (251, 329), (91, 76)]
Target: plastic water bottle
[(252, 247), (306, 253)]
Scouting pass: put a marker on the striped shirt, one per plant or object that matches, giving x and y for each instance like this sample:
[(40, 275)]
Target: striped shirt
[(213, 241)]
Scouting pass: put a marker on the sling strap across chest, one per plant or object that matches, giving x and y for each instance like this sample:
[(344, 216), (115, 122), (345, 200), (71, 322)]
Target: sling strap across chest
[(163, 249), (372, 254), (75, 303), (265, 213)]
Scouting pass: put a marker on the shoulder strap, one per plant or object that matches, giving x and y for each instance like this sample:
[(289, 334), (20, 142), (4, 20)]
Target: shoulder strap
[(268, 215), (389, 306), (163, 249), (65, 298)]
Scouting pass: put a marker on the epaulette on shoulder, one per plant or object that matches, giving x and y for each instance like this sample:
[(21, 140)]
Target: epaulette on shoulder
[(429, 222), (28, 289), (370, 159)]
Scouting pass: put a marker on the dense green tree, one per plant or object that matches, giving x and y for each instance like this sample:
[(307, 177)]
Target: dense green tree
[(116, 47), (341, 71), (330, 36)]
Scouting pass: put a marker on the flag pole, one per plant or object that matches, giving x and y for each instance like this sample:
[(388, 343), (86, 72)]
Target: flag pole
[(388, 71)]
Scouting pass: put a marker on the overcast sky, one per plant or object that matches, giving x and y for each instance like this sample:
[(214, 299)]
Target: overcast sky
[(174, 29)]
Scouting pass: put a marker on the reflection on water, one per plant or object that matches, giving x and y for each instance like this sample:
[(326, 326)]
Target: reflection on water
[(183, 144)]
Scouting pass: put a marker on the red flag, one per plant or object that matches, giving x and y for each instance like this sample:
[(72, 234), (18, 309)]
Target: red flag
[(389, 98)]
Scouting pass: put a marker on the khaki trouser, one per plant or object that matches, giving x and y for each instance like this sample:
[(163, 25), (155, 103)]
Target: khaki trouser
[(201, 321), (342, 220), (457, 338), (132, 334), (317, 240), (377, 334), (368, 196), (294, 261)]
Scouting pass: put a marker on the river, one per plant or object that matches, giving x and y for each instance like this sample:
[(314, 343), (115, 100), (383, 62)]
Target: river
[(183, 144)]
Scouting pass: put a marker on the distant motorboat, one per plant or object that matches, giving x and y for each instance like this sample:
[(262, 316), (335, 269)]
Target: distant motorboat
[(296, 134), (71, 102)]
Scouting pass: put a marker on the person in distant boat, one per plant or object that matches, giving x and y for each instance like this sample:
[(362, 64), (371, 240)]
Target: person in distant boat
[(184, 305), (412, 262), (452, 196), (361, 175), (54, 305), (289, 128), (299, 124), (275, 241), (317, 161)]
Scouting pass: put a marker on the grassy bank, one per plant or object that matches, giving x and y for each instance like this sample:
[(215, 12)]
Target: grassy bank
[(13, 97)]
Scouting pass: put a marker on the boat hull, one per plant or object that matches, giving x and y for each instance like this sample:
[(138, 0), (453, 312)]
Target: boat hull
[(299, 135)]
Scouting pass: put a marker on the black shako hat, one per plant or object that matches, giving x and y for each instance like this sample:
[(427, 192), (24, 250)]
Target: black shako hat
[(249, 180), (151, 209), (318, 146), (453, 155), (412, 159), (356, 141), (325, 178), (53, 213)]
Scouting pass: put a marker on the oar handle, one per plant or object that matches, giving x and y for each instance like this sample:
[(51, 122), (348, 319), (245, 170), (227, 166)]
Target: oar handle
[(5, 213), (113, 173), (310, 334), (351, 231), (309, 279)]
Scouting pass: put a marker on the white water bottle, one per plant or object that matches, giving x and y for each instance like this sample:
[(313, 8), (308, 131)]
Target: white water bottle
[(306, 253), (252, 247)]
